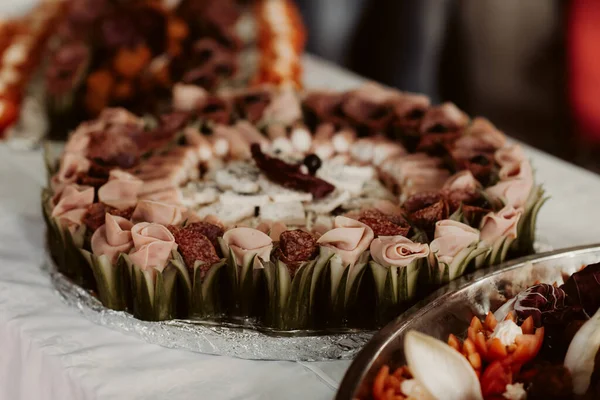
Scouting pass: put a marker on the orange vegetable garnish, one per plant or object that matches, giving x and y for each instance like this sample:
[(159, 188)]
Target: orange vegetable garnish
[(380, 382), (129, 63), (494, 380), (525, 348), (467, 349), (387, 386)]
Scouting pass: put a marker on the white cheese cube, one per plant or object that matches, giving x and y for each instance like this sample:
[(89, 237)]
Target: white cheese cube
[(227, 213), (199, 193), (290, 213), (240, 177), (280, 194), (329, 203), (347, 177)]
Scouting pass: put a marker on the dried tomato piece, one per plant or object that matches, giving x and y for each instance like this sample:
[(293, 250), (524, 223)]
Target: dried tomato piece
[(290, 176)]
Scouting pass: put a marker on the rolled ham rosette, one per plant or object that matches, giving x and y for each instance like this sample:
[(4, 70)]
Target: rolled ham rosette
[(112, 238), (348, 239), (247, 244), (64, 214), (152, 275), (498, 231), (121, 191), (509, 155), (71, 206), (515, 185), (108, 242), (453, 248), (396, 264), (340, 265), (152, 246), (517, 189), (462, 180), (71, 165), (157, 212), (397, 251), (246, 250)]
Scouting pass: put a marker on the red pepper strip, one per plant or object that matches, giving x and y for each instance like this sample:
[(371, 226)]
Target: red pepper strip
[(528, 346), (494, 380)]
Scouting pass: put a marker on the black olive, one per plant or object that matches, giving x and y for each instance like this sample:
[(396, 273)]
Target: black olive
[(313, 163)]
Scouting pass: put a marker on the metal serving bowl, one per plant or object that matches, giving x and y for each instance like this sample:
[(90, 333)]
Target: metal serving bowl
[(450, 310)]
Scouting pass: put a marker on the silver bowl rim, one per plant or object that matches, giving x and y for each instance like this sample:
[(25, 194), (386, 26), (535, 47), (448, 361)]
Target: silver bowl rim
[(371, 351)]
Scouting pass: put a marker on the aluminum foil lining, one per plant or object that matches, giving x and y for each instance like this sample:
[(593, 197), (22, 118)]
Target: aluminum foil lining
[(213, 338)]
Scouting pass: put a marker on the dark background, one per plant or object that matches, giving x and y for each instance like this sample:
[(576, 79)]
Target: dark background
[(502, 59)]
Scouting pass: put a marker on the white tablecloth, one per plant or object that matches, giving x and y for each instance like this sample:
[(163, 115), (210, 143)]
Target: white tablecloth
[(49, 351)]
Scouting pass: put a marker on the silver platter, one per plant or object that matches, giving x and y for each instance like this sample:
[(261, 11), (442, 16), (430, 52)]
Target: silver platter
[(450, 309), (215, 338)]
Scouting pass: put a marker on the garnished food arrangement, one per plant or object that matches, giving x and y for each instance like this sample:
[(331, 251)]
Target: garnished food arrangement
[(293, 210), (108, 53), (544, 343)]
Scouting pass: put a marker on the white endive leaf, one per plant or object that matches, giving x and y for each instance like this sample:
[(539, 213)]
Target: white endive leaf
[(582, 352), (440, 369)]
